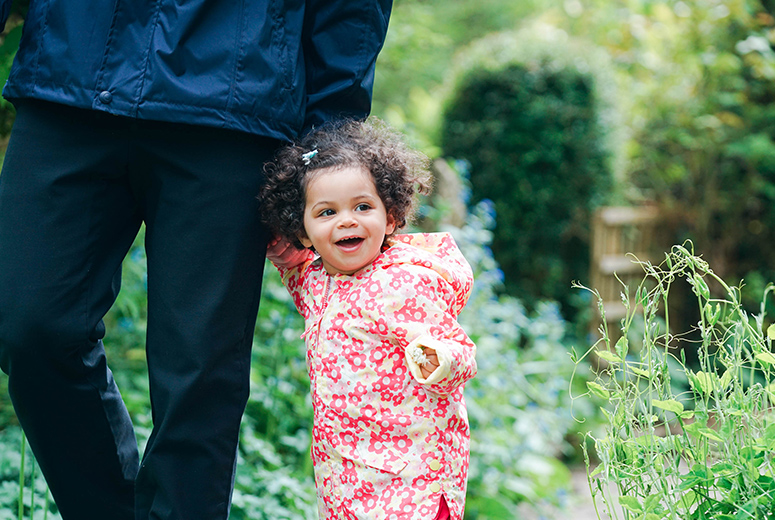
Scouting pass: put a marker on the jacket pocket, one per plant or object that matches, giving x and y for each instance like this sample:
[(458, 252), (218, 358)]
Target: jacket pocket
[(387, 460)]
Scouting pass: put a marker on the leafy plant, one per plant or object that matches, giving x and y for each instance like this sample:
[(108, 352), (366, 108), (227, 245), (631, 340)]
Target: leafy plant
[(23, 494), (704, 451)]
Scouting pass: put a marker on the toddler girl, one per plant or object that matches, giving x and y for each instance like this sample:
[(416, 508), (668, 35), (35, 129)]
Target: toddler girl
[(386, 356)]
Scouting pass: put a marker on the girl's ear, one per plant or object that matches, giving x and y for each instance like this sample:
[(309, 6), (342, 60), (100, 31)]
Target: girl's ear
[(391, 225), (306, 242)]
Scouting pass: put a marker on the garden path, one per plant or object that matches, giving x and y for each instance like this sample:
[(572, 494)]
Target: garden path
[(579, 506)]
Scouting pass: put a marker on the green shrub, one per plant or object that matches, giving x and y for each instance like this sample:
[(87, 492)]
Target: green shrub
[(526, 114)]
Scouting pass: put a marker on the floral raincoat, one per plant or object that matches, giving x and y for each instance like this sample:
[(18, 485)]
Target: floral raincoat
[(388, 444)]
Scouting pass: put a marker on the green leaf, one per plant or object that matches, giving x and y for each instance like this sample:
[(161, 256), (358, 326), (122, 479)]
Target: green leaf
[(712, 314), (725, 380), (631, 503), (622, 346), (710, 434), (640, 372), (670, 405), (701, 287), (765, 357), (608, 356), (598, 390), (702, 382), (771, 331)]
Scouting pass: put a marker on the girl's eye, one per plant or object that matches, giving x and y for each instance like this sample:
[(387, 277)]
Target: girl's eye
[(362, 207), (326, 213)]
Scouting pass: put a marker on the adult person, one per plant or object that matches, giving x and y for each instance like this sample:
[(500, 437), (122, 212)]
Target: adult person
[(161, 113)]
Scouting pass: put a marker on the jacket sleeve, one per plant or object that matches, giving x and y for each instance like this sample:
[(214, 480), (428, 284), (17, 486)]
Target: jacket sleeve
[(5, 11), (341, 41), (420, 315), (293, 280)]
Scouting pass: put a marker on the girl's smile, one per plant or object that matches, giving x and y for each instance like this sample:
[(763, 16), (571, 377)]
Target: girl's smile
[(345, 219)]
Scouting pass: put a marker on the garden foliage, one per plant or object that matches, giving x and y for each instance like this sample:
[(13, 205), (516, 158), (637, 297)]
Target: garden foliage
[(702, 450), (704, 147), (528, 114)]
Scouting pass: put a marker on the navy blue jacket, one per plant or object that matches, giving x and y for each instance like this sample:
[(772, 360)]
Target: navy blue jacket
[(268, 67)]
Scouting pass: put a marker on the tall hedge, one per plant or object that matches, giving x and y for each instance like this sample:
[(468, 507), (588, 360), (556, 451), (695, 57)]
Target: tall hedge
[(526, 113)]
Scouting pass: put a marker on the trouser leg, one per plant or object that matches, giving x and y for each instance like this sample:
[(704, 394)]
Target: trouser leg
[(205, 246), (67, 218)]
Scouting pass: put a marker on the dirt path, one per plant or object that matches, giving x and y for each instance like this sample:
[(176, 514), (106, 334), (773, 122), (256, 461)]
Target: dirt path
[(579, 505)]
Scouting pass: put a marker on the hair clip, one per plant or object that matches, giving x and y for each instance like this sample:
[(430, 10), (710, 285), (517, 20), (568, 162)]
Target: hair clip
[(307, 157)]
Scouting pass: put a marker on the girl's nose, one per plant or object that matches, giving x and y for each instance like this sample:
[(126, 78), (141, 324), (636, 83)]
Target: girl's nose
[(347, 220)]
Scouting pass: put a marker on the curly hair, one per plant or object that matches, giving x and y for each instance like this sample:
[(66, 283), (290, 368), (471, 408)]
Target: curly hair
[(399, 172)]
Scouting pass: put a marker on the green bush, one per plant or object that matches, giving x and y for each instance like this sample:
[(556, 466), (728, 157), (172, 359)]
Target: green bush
[(526, 114)]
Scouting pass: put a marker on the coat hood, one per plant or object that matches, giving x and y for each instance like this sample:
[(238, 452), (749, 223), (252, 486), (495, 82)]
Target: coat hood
[(436, 251)]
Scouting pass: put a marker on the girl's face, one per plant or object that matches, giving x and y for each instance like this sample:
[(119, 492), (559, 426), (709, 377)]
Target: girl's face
[(345, 219)]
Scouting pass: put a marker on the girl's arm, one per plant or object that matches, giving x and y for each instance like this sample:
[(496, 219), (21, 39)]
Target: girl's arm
[(283, 254), (438, 352)]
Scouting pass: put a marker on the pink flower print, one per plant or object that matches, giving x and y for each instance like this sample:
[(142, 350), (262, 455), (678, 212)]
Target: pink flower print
[(377, 445), (420, 482), (381, 384), (347, 421), (370, 304), (387, 494), (349, 473), (437, 331), (424, 289), (411, 312), (373, 289), (339, 402), (331, 370), (369, 502), (356, 396), (348, 439), (339, 320), (377, 357), (400, 334), (379, 327), (418, 392), (354, 297), (386, 424), (396, 284), (357, 361), (407, 500), (442, 408), (402, 443)]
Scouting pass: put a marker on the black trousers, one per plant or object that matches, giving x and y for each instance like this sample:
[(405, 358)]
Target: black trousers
[(76, 186)]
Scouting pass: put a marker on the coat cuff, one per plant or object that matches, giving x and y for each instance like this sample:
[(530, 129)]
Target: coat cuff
[(413, 354)]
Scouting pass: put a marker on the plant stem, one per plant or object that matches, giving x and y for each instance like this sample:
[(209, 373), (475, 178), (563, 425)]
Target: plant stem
[(32, 490), (21, 478)]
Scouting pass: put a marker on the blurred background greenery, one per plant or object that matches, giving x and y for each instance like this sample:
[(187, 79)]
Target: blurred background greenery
[(540, 112)]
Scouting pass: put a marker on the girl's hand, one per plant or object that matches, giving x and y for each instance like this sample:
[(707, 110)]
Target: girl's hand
[(283, 254), (431, 365)]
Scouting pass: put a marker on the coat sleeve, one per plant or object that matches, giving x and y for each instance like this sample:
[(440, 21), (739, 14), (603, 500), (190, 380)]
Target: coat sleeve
[(5, 11), (293, 280), (341, 41), (421, 315)]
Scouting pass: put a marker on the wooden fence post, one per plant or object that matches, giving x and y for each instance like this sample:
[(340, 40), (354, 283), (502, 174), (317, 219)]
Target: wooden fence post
[(617, 231)]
